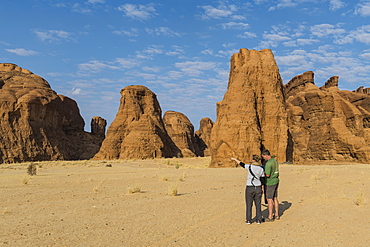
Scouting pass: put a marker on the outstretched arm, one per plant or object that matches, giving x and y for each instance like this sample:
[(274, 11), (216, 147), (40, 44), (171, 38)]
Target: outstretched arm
[(239, 162)]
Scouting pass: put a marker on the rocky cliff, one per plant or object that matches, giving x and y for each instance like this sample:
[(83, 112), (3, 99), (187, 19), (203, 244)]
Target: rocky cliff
[(252, 115), (38, 124), (181, 131), (138, 131), (326, 123)]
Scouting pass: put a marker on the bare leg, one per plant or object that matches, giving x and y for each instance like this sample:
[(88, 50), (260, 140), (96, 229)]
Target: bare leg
[(270, 206), (276, 205)]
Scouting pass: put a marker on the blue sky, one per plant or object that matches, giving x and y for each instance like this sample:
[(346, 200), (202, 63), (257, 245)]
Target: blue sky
[(180, 49)]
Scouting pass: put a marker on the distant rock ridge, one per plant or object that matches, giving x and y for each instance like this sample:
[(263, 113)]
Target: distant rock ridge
[(362, 90), (138, 131), (37, 124)]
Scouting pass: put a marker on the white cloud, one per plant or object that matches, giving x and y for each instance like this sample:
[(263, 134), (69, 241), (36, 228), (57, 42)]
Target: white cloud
[(336, 4), (22, 52), (247, 35), (363, 9), (138, 11), (207, 52), (195, 68), (365, 56), (235, 25), (283, 4), (95, 1), (75, 91), (133, 32), (222, 11), (54, 36), (326, 30), (127, 63), (149, 53), (275, 37), (95, 66), (362, 35), (162, 31)]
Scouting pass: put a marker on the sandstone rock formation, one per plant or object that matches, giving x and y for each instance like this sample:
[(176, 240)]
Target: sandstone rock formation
[(252, 115), (203, 136), (326, 123), (181, 131), (36, 123), (138, 131), (98, 126)]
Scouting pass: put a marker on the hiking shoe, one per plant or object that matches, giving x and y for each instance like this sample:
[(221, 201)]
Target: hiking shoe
[(248, 222), (258, 222)]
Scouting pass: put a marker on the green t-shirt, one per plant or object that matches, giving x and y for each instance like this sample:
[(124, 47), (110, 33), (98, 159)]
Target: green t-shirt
[(272, 169)]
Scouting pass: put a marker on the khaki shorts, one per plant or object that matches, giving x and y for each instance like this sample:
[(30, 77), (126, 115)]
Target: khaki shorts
[(272, 191)]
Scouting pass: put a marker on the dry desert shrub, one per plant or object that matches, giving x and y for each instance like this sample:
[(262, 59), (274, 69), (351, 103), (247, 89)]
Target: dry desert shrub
[(172, 190), (31, 169), (25, 181), (165, 178), (133, 189), (360, 200)]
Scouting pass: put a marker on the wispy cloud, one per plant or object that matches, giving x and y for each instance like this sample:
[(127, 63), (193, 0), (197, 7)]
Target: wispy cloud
[(162, 31), (326, 30), (95, 66), (235, 25), (95, 1), (22, 52), (54, 36), (361, 34), (138, 11), (133, 32), (336, 4), (222, 11), (191, 68), (363, 9), (149, 52)]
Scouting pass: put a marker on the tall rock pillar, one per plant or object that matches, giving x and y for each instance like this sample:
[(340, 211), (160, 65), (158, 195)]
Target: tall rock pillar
[(252, 115)]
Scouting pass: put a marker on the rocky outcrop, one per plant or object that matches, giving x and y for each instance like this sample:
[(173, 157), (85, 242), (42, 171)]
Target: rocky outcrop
[(98, 126), (252, 115), (325, 123), (203, 136), (36, 123), (181, 131), (138, 131), (362, 90)]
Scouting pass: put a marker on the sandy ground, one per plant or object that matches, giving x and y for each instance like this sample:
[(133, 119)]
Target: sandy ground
[(90, 204)]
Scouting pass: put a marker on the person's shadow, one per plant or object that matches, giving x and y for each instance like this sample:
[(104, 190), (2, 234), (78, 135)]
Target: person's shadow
[(283, 206)]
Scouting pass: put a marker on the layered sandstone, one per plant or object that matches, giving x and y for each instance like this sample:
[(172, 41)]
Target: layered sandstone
[(203, 136), (181, 131), (252, 115), (326, 123), (138, 131), (36, 123)]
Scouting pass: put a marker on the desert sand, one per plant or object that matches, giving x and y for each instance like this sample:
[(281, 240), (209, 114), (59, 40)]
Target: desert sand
[(88, 203)]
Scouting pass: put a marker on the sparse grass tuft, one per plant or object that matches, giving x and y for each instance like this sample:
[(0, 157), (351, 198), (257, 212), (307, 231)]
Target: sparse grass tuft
[(31, 169), (25, 181), (165, 178), (133, 189), (360, 200), (172, 190)]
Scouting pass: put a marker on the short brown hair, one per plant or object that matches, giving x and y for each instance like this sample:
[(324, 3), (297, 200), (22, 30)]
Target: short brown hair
[(256, 157)]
